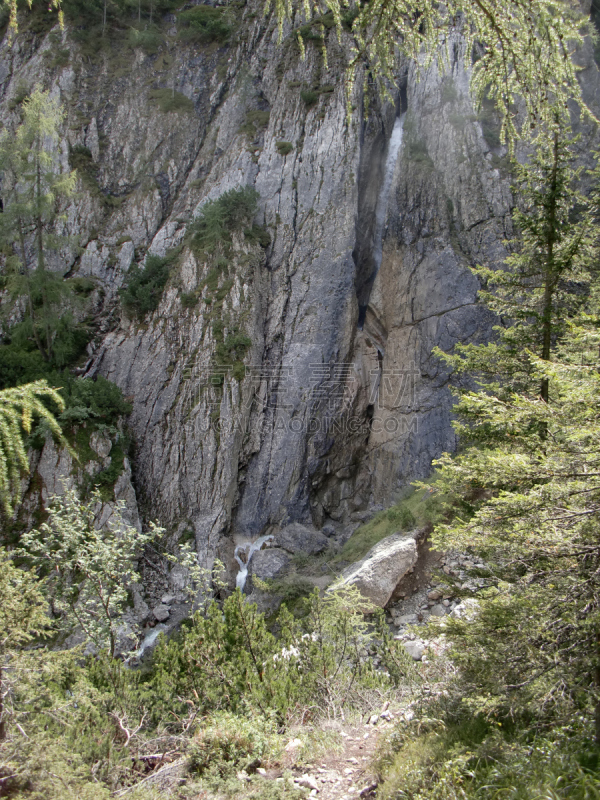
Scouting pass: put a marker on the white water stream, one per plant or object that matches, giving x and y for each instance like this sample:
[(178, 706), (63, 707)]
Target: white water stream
[(251, 548), (148, 641), (384, 196)]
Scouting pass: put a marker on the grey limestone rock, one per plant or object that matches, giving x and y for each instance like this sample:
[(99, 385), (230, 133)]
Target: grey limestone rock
[(297, 538), (378, 574), (161, 613), (438, 610), (415, 649), (269, 563), (331, 418)]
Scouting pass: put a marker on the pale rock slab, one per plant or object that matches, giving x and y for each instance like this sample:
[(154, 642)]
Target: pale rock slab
[(378, 574)]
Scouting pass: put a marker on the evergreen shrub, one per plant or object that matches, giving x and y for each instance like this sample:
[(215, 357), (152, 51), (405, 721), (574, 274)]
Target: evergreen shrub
[(309, 97), (256, 120), (219, 218), (145, 285), (168, 100), (204, 24), (284, 148)]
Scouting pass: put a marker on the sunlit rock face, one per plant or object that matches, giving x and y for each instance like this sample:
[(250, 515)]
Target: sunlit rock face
[(340, 402)]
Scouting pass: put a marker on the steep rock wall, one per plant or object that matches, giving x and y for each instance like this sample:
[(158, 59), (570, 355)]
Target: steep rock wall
[(330, 420)]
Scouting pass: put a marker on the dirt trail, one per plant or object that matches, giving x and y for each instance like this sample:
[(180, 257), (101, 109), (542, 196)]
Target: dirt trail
[(342, 773)]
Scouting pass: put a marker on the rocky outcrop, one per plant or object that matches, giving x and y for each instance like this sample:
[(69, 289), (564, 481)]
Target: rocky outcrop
[(55, 470), (379, 573), (297, 538), (269, 563), (327, 420)]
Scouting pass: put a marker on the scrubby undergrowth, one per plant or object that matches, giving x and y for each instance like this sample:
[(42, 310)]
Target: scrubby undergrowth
[(217, 700)]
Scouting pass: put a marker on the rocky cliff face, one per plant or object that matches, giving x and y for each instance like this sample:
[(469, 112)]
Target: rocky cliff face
[(341, 403)]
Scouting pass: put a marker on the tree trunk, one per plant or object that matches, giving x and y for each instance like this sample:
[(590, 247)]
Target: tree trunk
[(597, 682), (2, 722), (549, 276), (30, 308), (39, 223), (39, 236)]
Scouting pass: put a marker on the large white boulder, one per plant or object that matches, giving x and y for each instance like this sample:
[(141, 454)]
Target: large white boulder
[(378, 574)]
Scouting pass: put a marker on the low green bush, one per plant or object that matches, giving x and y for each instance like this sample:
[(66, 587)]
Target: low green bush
[(69, 341), (258, 234), (231, 350), (171, 101), (107, 477), (256, 121), (309, 97), (312, 32), (230, 743), (204, 24), (454, 756), (102, 399), (22, 93), (189, 299), (81, 159), (234, 348), (222, 693), (229, 658), (146, 37), (145, 285), (284, 148), (219, 218)]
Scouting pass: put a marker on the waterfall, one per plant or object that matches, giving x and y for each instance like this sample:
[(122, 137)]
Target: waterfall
[(384, 195), (240, 580), (148, 641), (382, 204)]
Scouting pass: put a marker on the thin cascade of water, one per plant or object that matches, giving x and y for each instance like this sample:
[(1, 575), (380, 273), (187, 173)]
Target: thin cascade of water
[(384, 195), (147, 642), (242, 575)]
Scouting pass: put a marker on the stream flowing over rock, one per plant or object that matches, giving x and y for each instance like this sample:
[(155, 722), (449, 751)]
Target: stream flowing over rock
[(340, 403)]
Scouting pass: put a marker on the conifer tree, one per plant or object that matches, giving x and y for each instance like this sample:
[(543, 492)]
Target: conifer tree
[(18, 407), (23, 617), (546, 277), (32, 188), (524, 488)]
